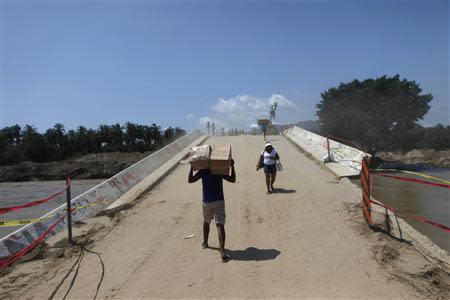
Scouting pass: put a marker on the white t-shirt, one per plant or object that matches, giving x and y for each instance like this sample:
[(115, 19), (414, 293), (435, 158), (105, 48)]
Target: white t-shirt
[(267, 160)]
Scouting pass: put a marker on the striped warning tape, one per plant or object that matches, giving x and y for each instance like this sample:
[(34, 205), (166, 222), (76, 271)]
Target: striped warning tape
[(89, 205), (13, 223), (415, 173), (4, 262), (447, 186)]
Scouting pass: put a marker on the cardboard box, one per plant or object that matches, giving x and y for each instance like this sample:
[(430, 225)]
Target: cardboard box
[(200, 164), (199, 159), (263, 122), (220, 159)]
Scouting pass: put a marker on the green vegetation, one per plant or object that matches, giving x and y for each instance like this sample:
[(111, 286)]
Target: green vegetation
[(381, 113), (26, 144)]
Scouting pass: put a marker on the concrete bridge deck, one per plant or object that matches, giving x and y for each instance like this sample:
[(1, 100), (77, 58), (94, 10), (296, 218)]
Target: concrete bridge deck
[(306, 241)]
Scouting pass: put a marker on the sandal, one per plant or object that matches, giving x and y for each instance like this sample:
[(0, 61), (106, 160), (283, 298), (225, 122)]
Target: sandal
[(226, 258)]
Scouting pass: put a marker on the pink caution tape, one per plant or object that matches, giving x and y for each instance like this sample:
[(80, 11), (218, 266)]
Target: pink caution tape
[(4, 210), (416, 217)]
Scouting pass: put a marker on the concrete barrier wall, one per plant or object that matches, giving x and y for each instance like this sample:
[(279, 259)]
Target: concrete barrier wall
[(347, 159), (97, 198)]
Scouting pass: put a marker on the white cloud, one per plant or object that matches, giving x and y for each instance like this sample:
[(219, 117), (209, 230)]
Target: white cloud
[(190, 116), (242, 111), (281, 101), (204, 121)]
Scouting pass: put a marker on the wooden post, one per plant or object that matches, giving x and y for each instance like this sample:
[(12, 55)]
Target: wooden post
[(69, 211)]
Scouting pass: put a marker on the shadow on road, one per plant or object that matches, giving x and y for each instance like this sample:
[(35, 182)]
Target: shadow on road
[(251, 254), (282, 191)]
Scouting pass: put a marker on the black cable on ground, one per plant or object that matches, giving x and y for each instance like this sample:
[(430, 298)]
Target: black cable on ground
[(72, 282), (65, 277), (77, 264), (103, 271)]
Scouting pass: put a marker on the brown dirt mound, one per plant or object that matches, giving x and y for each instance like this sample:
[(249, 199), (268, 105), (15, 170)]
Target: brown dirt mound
[(437, 158), (90, 166)]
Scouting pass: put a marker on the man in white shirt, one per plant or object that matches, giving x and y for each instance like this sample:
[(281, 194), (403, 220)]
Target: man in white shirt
[(268, 160)]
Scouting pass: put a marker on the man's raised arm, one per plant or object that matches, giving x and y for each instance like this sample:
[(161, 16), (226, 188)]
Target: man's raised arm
[(231, 178), (193, 178)]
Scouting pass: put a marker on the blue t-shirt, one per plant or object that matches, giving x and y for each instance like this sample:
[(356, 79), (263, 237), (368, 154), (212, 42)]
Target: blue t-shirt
[(212, 186)]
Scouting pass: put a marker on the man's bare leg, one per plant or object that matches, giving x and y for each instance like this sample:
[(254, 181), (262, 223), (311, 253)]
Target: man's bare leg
[(205, 235), (221, 232)]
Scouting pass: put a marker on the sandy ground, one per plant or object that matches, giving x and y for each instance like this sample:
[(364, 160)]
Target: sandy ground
[(306, 241)]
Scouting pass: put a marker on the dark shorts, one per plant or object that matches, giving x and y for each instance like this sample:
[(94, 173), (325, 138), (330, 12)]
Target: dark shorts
[(270, 169)]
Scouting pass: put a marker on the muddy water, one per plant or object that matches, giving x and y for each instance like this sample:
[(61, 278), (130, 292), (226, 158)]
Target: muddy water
[(18, 193), (424, 200)]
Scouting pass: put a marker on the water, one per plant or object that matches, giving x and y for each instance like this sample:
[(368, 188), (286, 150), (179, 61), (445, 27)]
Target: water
[(18, 193), (424, 200)]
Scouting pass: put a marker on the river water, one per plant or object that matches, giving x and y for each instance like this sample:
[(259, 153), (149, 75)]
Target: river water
[(419, 199), (19, 193)]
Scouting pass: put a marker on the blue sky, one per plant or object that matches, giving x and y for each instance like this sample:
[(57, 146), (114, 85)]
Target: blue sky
[(182, 63)]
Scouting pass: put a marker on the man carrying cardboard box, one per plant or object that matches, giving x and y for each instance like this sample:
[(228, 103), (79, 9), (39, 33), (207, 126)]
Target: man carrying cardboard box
[(220, 159), (213, 203)]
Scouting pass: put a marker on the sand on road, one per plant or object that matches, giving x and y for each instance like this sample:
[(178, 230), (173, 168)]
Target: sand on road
[(304, 241)]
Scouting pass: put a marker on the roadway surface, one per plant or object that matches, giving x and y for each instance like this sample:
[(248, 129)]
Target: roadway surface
[(297, 243)]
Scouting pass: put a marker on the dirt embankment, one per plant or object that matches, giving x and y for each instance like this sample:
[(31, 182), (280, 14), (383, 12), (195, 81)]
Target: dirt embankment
[(90, 166), (428, 157)]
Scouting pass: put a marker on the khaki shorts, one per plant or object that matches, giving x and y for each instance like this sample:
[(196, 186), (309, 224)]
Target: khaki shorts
[(214, 209)]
